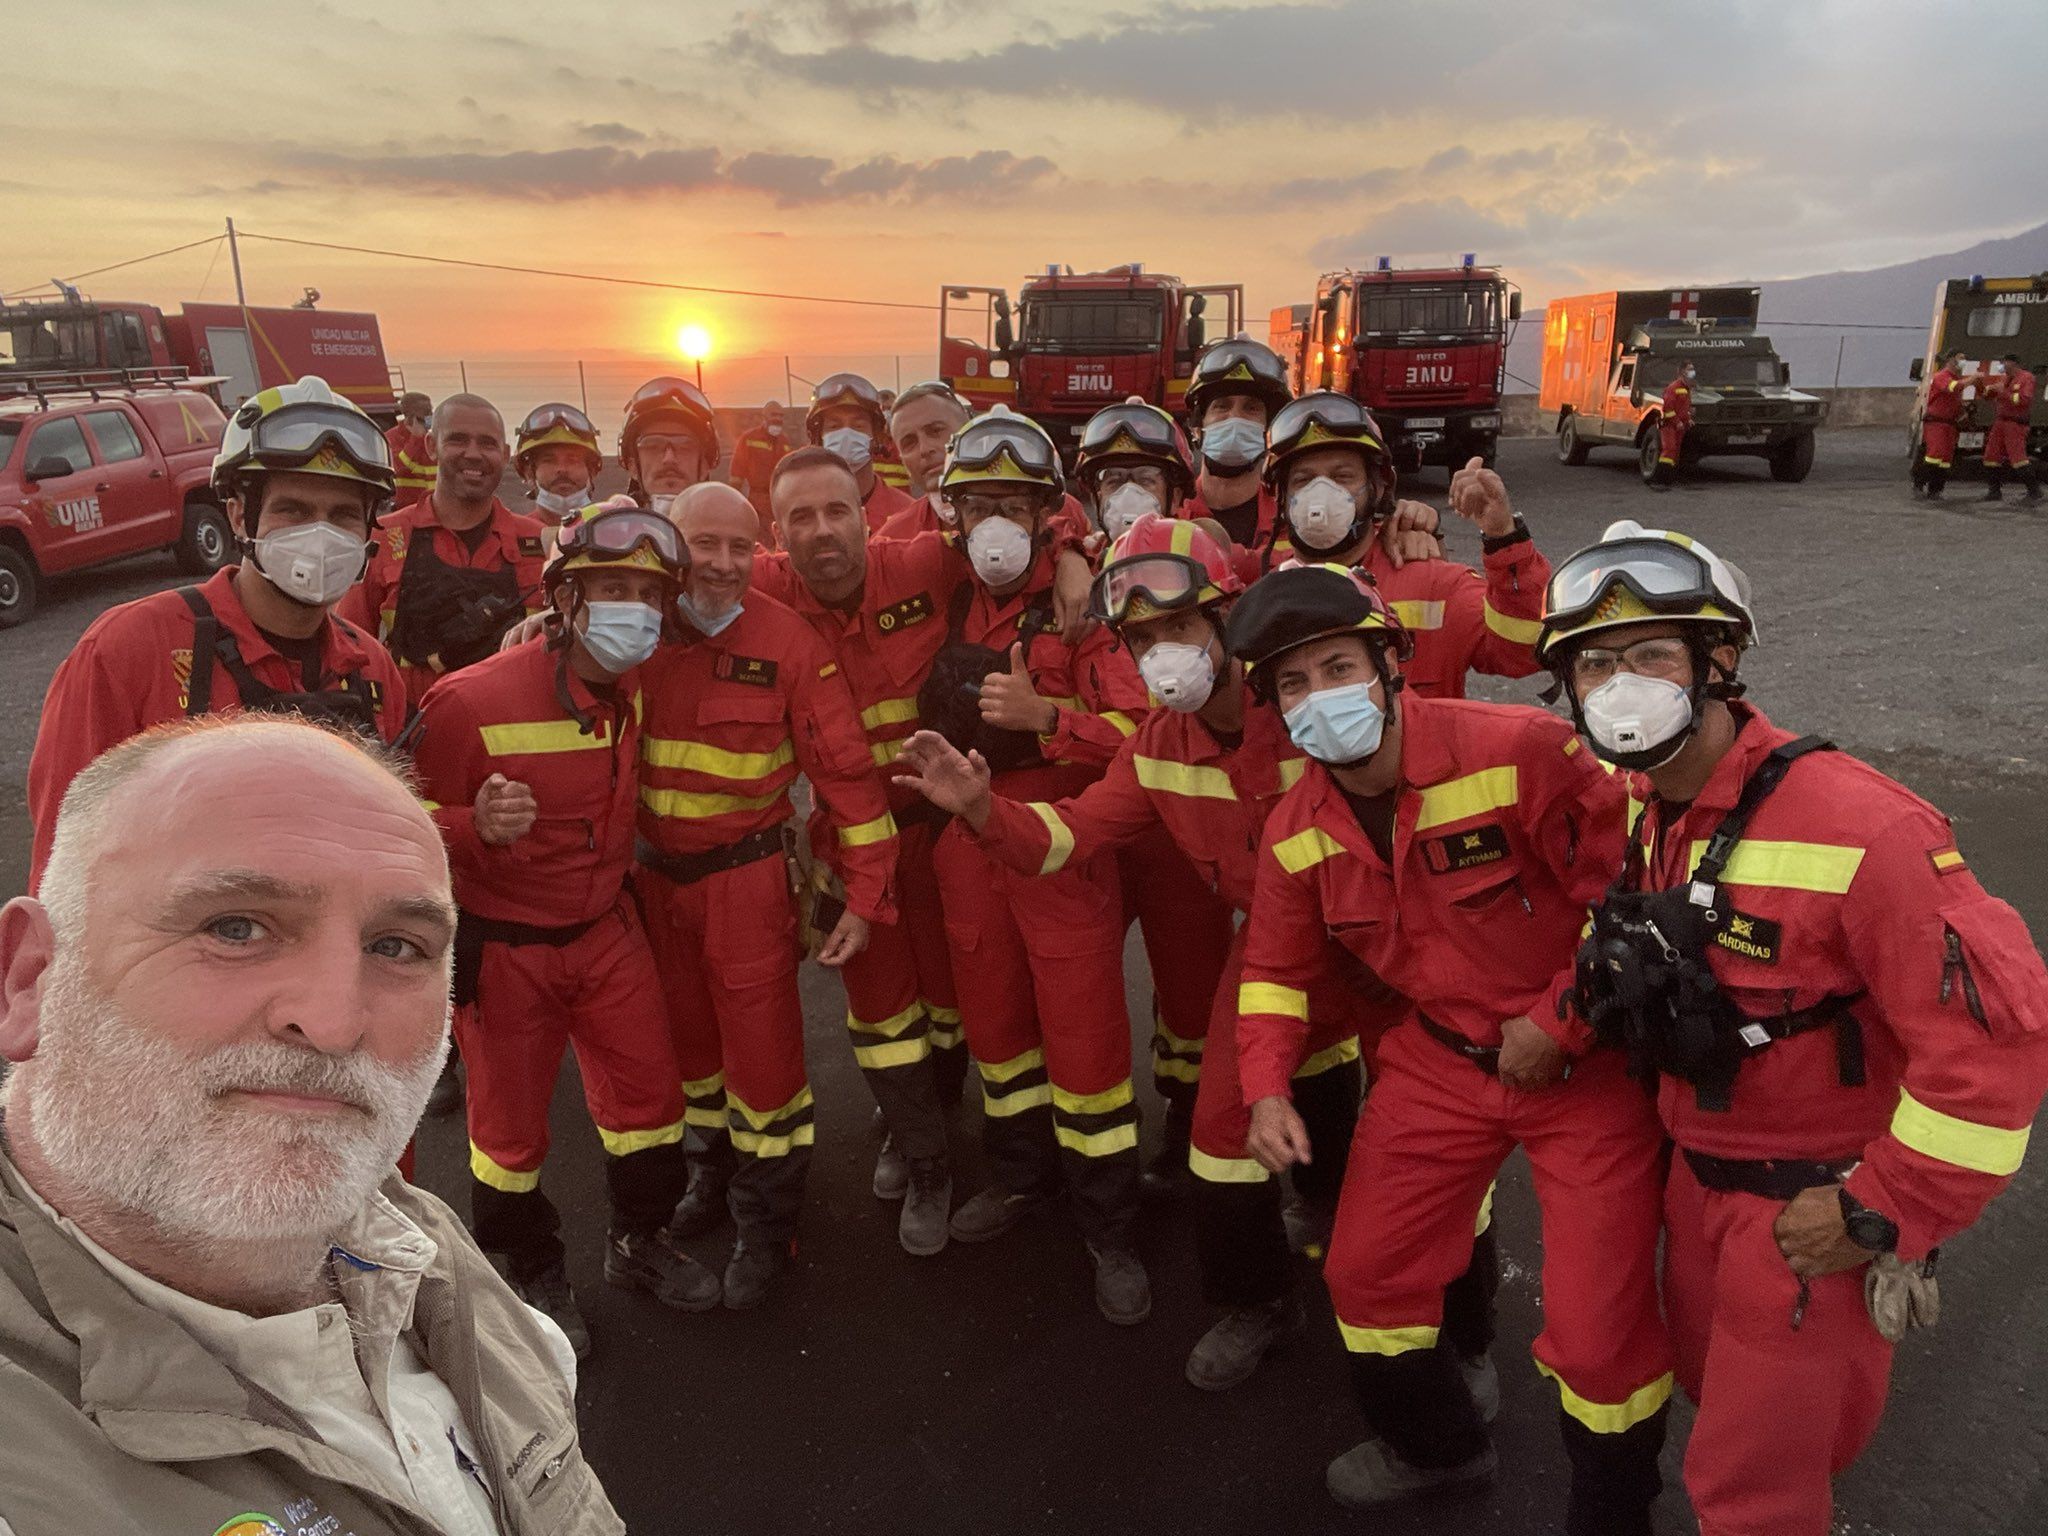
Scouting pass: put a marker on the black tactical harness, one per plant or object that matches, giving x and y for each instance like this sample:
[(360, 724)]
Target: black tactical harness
[(949, 699), (1645, 984), (449, 616), (350, 704)]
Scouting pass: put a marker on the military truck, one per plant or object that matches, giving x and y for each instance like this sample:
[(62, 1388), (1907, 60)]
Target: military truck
[(1608, 357), (1987, 317)]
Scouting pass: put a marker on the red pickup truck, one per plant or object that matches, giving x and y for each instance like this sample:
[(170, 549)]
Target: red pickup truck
[(98, 473)]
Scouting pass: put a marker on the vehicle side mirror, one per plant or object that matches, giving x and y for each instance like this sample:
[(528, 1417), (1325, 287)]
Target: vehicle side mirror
[(1006, 337), (51, 468), (1197, 331), (1514, 306), (1784, 373), (1916, 369)]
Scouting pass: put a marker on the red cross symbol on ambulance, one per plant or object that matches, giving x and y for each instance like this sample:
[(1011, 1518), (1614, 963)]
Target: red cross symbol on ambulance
[(1685, 306)]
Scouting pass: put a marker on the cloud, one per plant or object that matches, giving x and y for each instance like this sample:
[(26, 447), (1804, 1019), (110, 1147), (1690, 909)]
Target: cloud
[(561, 175), (611, 133)]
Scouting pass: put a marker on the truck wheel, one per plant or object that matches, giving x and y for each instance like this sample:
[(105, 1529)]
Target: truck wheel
[(17, 586), (1790, 461), (207, 543), (1569, 449), (1648, 445)]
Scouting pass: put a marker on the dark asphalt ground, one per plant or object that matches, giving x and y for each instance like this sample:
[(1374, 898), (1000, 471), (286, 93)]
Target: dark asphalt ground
[(980, 1392)]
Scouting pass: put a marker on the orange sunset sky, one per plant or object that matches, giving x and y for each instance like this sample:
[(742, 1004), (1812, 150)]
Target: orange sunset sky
[(876, 148)]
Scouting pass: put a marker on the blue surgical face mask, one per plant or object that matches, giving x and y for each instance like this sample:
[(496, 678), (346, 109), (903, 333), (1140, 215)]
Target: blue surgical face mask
[(1233, 443), (707, 624), (1337, 725), (619, 636), (851, 444)]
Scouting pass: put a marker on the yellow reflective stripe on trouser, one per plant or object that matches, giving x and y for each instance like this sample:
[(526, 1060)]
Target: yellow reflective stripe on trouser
[(775, 1132), (623, 1143), (1385, 1341), (946, 1032), (497, 1175), (888, 712), (1828, 868), (1109, 1120), (1475, 794), (1175, 778), (701, 757), (684, 805), (1960, 1143), (704, 1101), (1305, 850), (1343, 1053), (883, 826), (1612, 1418), (1270, 997), (1104, 1143), (1173, 1058), (528, 738), (1226, 1170), (1061, 847), (1092, 1103), (898, 1046), (1508, 627), (1006, 1088)]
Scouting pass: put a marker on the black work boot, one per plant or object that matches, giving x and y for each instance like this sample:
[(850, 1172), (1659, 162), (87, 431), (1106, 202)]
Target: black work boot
[(703, 1207), (1165, 1173), (549, 1292), (922, 1227), (1995, 489), (750, 1271), (2031, 479), (650, 1262), (1229, 1353), (1123, 1292), (993, 1212)]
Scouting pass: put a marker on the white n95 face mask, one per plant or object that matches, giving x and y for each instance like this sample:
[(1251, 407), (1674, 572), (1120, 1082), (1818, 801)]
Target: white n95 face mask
[(1180, 676), (1637, 722), (999, 550), (851, 444), (1124, 506), (1322, 514), (314, 563)]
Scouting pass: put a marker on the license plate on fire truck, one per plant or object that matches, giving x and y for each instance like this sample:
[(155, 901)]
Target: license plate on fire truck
[(1422, 423), (1970, 440), (1746, 439)]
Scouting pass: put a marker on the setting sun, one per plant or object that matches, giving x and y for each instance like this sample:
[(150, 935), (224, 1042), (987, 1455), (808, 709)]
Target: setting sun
[(694, 342)]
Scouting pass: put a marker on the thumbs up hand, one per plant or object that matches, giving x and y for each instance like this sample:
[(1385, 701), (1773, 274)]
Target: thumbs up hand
[(1010, 702)]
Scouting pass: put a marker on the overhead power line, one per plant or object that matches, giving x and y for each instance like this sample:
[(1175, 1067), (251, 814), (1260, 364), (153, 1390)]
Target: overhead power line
[(133, 261), (589, 277)]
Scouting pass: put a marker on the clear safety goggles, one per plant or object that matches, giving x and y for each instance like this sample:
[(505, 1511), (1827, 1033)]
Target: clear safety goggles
[(298, 432), (1227, 357), (557, 417), (677, 394), (1162, 581), (980, 443), (1665, 576), (1339, 416), (615, 535), (1151, 430), (844, 387)]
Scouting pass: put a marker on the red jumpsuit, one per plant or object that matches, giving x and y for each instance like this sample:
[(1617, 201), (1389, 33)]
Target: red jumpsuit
[(901, 1008), (412, 456), (1463, 622), (731, 720), (1505, 829), (1941, 420), (1039, 962), (1671, 427), (2005, 445), (883, 502), (754, 458), (557, 949), (412, 552), (1846, 885), (132, 668)]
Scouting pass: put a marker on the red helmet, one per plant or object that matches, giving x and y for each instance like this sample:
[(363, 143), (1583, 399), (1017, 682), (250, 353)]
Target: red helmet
[(1135, 433), (677, 399), (1161, 565)]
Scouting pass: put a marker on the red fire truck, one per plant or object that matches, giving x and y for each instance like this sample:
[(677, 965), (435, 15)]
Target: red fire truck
[(1079, 342), (240, 351), (1425, 349)]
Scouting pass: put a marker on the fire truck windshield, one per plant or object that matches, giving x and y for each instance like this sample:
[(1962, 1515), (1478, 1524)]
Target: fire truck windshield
[(1472, 311), (46, 344), (1092, 323)]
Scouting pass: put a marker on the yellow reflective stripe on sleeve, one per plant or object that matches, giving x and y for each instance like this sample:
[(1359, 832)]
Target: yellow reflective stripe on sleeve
[(700, 757), (1824, 867), (881, 828), (1172, 778), (1385, 1341), (1305, 850), (1960, 1143), (1343, 1053), (889, 712), (1291, 770), (1417, 614), (497, 1175), (885, 752), (682, 805), (533, 737), (1061, 847), (621, 1143), (1123, 722), (1226, 1170), (1118, 1138), (1102, 1103), (1612, 1418), (1491, 789), (430, 805), (1508, 627), (1269, 997)]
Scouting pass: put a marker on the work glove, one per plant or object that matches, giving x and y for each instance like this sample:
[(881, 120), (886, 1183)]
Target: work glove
[(1901, 1296)]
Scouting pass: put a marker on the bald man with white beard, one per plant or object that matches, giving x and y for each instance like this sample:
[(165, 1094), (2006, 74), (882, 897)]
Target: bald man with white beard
[(220, 1310)]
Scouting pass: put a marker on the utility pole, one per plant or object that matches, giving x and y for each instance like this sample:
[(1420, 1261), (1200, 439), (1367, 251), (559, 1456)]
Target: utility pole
[(583, 384)]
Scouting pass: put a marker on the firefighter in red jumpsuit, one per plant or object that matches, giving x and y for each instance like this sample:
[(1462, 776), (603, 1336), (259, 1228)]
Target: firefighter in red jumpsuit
[(2005, 445), (921, 423), (303, 475), (453, 572), (754, 457), (1940, 422), (1239, 386), (846, 416), (411, 446), (1672, 425), (556, 456), (1038, 962), (743, 702), (669, 441), (528, 762), (1859, 1080), (1454, 848), (1134, 460)]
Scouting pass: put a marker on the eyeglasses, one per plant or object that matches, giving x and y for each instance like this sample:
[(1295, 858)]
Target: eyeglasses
[(970, 506), (1662, 656), (1150, 476), (663, 446)]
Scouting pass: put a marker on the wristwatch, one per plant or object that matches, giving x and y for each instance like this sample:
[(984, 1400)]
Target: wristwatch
[(1515, 535), (1867, 1228)]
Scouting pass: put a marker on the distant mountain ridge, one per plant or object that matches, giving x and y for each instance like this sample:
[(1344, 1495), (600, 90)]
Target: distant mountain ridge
[(1899, 295)]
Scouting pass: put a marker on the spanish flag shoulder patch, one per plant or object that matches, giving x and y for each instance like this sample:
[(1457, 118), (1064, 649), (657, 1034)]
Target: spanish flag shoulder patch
[(1947, 861)]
